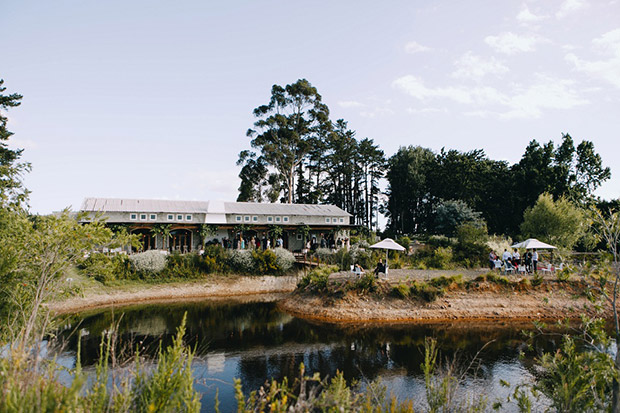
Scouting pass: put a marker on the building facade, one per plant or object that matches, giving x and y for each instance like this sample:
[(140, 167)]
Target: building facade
[(184, 226)]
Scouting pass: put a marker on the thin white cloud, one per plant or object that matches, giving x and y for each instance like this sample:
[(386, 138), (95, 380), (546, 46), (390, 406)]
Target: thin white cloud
[(569, 7), (470, 66), (350, 104), (527, 18), (546, 93), (416, 88), (522, 102), (377, 111), (510, 43), (607, 70), (415, 47), (426, 111)]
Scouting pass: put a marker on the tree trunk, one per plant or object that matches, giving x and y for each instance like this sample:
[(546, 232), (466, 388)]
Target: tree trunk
[(615, 400)]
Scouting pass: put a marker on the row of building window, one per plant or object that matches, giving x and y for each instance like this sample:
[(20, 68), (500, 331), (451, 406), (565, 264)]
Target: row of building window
[(254, 218), (153, 217), (277, 220)]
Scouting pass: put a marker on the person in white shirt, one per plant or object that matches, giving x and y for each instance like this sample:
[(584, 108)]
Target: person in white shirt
[(516, 257), (535, 260), (506, 256)]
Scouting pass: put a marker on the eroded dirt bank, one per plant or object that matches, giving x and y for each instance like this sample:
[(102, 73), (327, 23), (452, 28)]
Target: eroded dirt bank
[(221, 287), (480, 302)]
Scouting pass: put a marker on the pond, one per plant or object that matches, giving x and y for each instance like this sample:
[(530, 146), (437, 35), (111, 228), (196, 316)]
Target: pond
[(254, 341)]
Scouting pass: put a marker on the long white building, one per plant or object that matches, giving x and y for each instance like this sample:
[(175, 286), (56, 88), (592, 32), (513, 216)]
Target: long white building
[(228, 221)]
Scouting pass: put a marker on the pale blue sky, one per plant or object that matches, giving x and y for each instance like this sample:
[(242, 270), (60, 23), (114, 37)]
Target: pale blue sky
[(151, 99)]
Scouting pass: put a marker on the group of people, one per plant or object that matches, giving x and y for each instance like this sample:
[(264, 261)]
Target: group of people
[(252, 242), (380, 269), (326, 241), (512, 260)]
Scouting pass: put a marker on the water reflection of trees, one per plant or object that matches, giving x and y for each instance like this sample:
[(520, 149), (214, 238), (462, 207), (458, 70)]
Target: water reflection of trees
[(271, 344)]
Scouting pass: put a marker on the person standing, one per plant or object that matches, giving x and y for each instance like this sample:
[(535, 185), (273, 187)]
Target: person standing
[(516, 258), (535, 261)]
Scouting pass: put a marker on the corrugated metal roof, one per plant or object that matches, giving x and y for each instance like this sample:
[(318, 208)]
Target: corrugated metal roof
[(142, 205), (284, 209), (161, 205)]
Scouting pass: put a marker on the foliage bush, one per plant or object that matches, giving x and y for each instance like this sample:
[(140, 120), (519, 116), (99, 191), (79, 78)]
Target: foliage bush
[(264, 262), (425, 291), (400, 290), (242, 261), (284, 259), (184, 266), (441, 258), (148, 262), (325, 255), (366, 284), (106, 268), (342, 258), (316, 280)]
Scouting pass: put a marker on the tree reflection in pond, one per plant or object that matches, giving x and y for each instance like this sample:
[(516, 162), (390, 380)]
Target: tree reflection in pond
[(256, 342)]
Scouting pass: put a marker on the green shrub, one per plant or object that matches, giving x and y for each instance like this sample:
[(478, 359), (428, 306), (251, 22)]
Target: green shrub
[(242, 261), (184, 266), (264, 262), (284, 259), (563, 275), (325, 255), (366, 284), (537, 280), (497, 279), (424, 291), (106, 268), (400, 291), (437, 241), (215, 259), (446, 281), (342, 258), (148, 262), (317, 279), (441, 258)]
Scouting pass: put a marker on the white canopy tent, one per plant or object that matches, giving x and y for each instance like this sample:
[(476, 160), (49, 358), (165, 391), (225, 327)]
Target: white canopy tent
[(388, 244), (533, 243)]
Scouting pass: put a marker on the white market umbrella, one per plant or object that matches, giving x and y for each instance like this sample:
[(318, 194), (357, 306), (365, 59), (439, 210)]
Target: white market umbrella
[(388, 244), (533, 243)]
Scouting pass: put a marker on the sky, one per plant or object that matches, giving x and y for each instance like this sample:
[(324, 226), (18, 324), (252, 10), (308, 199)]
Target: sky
[(152, 99)]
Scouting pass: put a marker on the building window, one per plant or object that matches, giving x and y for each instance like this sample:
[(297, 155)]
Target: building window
[(188, 217), (277, 219), (238, 218), (269, 219), (246, 218), (255, 219), (342, 220), (133, 217), (179, 217), (327, 220), (300, 237), (285, 219), (170, 217), (153, 217), (142, 217)]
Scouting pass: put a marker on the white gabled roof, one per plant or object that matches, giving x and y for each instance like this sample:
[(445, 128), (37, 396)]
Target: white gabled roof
[(284, 209), (142, 205), (215, 208)]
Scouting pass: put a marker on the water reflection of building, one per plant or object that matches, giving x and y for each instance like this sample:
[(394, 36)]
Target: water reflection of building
[(178, 225)]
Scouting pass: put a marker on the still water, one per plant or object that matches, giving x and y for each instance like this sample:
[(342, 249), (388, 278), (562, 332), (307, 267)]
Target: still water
[(254, 341)]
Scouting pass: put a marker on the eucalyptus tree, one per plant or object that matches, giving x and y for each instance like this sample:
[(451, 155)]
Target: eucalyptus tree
[(12, 192), (410, 202), (282, 133)]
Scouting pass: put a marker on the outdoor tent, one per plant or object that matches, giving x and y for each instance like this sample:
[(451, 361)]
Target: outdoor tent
[(388, 244), (533, 243)]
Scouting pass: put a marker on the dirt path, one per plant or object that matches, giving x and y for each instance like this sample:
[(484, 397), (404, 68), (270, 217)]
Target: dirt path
[(221, 287)]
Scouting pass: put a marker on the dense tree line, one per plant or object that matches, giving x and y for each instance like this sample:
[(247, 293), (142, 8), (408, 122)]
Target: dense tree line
[(421, 180), (301, 156)]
